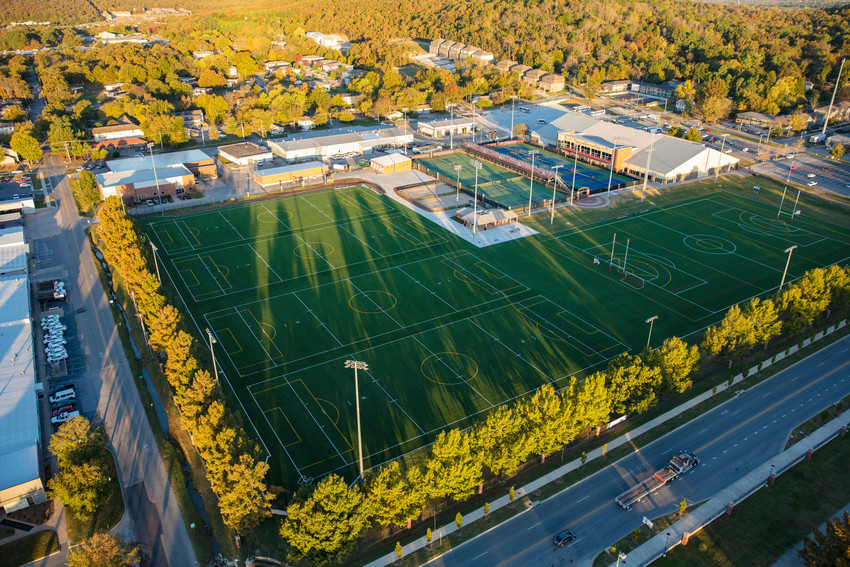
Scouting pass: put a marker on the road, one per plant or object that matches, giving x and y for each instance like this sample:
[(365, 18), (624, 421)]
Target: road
[(730, 440), (153, 518)]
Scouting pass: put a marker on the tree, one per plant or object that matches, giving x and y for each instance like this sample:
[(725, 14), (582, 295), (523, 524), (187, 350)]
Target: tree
[(162, 327), (693, 135), (103, 550), (803, 300), (830, 547), (683, 505), (77, 441), (399, 551), (452, 469), (632, 384), (26, 146), (763, 319), (246, 501), (80, 487), (677, 362), (837, 151), (86, 191), (395, 496), (547, 417), (733, 334), (323, 526), (211, 78), (501, 441)]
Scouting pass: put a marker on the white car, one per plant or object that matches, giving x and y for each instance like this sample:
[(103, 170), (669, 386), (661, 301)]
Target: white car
[(63, 417), (812, 183), (810, 175)]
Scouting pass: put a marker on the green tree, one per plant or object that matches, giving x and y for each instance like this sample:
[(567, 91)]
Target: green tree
[(86, 191), (837, 151), (452, 469), (399, 551), (837, 279), (26, 146), (693, 135), (683, 505), (830, 547), (803, 300), (77, 441), (211, 78), (733, 334), (459, 520), (66, 139), (763, 319), (632, 383), (547, 417), (162, 327), (501, 441), (590, 402), (103, 550), (246, 501), (677, 362), (323, 526), (81, 487), (395, 496)]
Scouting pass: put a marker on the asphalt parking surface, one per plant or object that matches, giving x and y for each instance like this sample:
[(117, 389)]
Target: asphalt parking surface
[(828, 174)]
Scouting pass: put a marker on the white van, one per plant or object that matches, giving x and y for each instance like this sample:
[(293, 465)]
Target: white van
[(63, 395)]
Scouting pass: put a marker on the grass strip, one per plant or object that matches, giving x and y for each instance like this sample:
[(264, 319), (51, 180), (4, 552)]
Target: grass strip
[(29, 548)]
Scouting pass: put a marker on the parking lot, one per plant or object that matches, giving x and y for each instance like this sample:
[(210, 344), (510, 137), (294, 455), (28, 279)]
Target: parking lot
[(9, 188)]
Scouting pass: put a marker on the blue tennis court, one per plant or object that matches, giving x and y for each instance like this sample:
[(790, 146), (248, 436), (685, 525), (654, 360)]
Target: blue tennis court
[(586, 176)]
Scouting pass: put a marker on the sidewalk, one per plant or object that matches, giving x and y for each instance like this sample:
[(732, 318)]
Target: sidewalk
[(761, 473), (693, 522)]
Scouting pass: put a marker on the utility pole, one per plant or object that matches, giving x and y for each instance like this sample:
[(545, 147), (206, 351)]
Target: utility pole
[(831, 102), (356, 365)]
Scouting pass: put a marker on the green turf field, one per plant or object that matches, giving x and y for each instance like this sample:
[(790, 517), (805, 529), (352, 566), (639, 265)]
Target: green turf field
[(294, 287)]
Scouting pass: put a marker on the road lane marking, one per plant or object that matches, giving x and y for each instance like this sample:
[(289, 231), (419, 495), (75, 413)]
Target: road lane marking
[(767, 394), (583, 499), (772, 406), (481, 555), (703, 431), (533, 526)]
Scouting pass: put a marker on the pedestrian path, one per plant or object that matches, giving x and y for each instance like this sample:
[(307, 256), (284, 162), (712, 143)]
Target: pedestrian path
[(651, 551), (791, 559)]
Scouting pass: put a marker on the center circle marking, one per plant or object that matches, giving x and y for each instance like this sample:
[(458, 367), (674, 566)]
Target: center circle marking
[(439, 368), (371, 302), (313, 250)]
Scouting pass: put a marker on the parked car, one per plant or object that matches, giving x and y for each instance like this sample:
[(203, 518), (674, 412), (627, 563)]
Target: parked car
[(149, 203), (63, 409), (63, 417)]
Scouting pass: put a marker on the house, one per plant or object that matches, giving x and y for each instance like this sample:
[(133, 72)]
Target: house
[(755, 119), (201, 54), (271, 65), (434, 47), (232, 72), (305, 123), (681, 105), (200, 91), (532, 77), (7, 127), (520, 69), (309, 60), (481, 57), (505, 65), (192, 118), (552, 83), (117, 132)]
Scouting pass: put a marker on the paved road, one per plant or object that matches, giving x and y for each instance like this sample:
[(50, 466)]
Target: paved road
[(153, 517), (731, 441)]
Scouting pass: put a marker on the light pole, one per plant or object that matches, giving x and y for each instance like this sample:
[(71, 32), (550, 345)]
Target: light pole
[(513, 98), (611, 173), (769, 475), (356, 365), (720, 156), (212, 351), (646, 173), (531, 183), (477, 165), (787, 262), (650, 321), (155, 178), (155, 263), (458, 167), (666, 545), (554, 188), (575, 165), (620, 555)]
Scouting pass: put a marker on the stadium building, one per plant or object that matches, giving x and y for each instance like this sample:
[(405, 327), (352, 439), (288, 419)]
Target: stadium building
[(354, 141), (597, 142), (296, 172), (443, 128)]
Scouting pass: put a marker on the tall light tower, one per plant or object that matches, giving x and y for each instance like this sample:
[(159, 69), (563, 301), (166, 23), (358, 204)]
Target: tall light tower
[(215, 367), (554, 188), (720, 156), (611, 173), (651, 320), (477, 165), (458, 167), (531, 184), (787, 262), (646, 174), (513, 98), (156, 179), (357, 365)]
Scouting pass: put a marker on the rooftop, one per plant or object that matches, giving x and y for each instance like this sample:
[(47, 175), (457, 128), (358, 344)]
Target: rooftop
[(243, 149), (161, 160), (142, 176), (290, 168)]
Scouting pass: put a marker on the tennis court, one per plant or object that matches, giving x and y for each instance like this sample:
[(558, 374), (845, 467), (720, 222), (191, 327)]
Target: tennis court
[(586, 176), (294, 287)]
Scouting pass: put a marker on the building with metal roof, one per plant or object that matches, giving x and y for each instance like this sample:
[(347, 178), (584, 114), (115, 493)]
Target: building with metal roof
[(20, 449), (355, 140)]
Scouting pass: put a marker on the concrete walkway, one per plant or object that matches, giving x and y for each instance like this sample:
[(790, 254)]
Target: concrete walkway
[(761, 473), (738, 491), (791, 559)]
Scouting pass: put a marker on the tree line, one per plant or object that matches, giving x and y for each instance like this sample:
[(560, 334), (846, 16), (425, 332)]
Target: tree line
[(233, 468), (325, 522)]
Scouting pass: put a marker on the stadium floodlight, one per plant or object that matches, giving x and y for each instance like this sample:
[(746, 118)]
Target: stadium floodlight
[(513, 99), (720, 156), (650, 321), (156, 179), (787, 262), (554, 187), (646, 173), (458, 167), (155, 263), (531, 184), (215, 367), (477, 165), (611, 173), (358, 365)]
